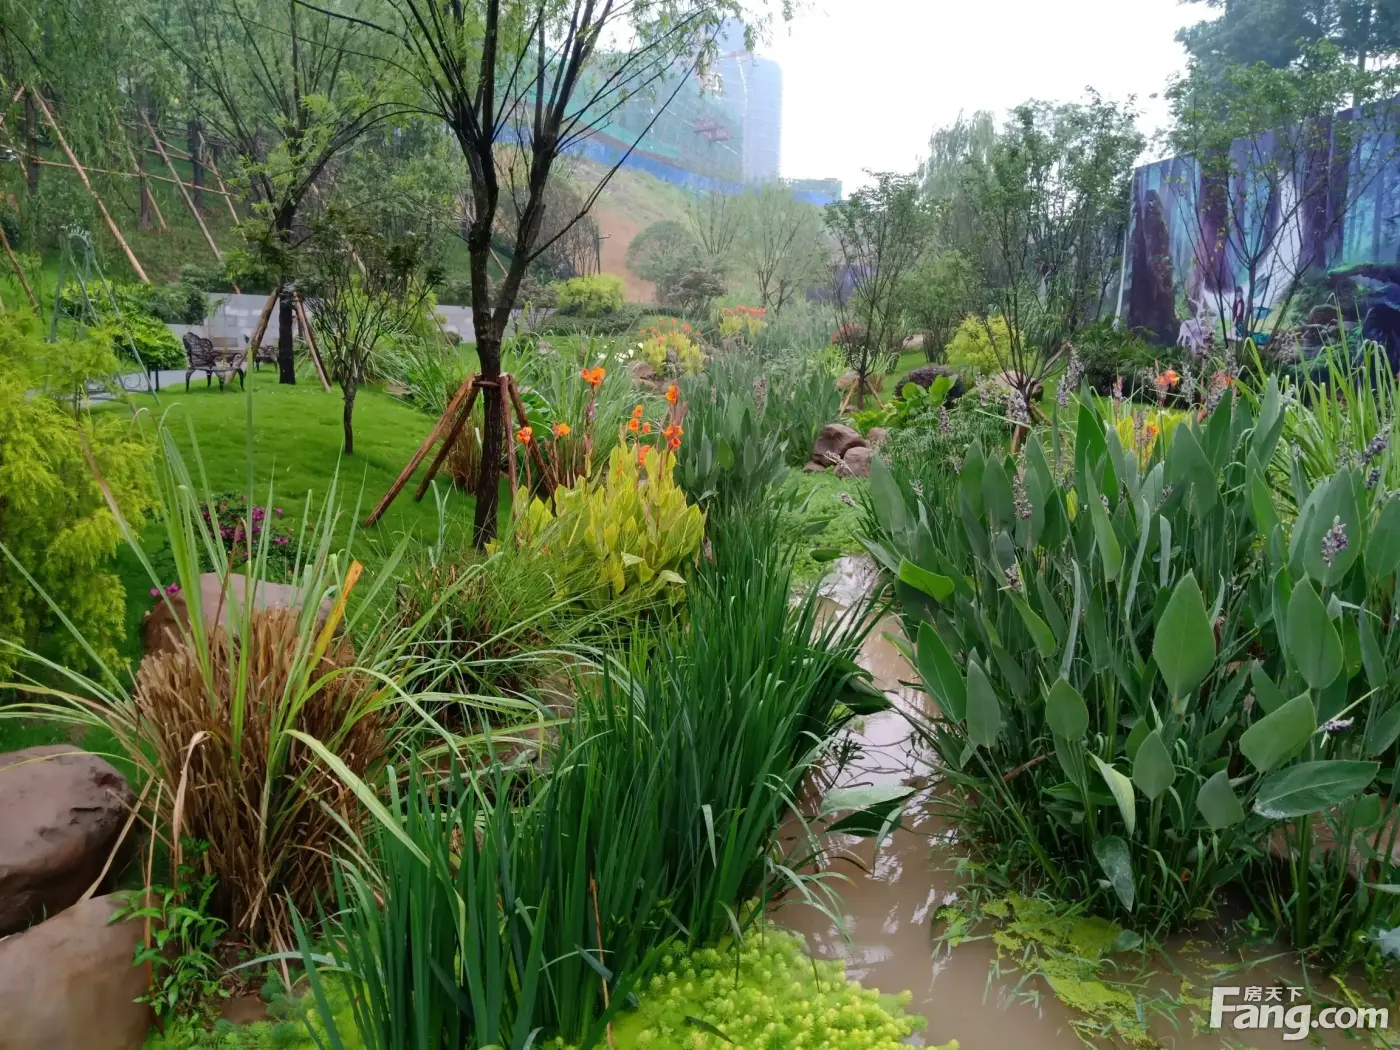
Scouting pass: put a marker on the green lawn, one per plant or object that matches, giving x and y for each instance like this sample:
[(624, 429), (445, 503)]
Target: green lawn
[(296, 449)]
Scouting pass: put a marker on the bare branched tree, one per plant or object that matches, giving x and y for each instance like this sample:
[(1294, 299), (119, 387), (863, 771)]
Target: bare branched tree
[(881, 231), (370, 288), (713, 218), (520, 83), (782, 244)]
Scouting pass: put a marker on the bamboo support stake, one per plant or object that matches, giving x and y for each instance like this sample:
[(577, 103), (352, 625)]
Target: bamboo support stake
[(228, 197), (183, 192), (503, 388), (534, 445), (261, 328), (449, 439), (14, 265), (124, 174), (112, 226), (311, 342), (466, 389), (143, 176)]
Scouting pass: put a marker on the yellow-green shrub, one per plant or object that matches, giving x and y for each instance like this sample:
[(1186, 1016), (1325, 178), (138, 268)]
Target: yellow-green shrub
[(591, 296), (633, 523), (671, 343), (980, 344), (53, 517)]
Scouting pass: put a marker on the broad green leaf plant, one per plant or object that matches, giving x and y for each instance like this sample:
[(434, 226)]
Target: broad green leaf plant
[(1145, 674)]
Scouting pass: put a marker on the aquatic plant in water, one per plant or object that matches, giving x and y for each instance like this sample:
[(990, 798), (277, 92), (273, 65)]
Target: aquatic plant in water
[(761, 995)]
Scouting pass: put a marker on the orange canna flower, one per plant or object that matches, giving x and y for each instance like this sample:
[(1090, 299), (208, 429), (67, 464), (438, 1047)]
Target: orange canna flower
[(673, 443), (561, 430), (646, 428), (642, 451), (524, 435), (633, 425), (593, 376), (1167, 380), (637, 412), (672, 432), (673, 394)]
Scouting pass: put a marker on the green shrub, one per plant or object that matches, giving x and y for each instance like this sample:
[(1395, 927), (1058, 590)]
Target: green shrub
[(145, 340), (1107, 353), (55, 525), (594, 296), (1127, 640), (980, 345)]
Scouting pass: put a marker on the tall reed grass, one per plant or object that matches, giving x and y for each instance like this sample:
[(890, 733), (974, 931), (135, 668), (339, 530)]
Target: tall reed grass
[(504, 903)]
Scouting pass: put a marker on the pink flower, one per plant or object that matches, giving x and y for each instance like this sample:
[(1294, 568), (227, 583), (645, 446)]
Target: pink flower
[(277, 511), (155, 592), (174, 588)]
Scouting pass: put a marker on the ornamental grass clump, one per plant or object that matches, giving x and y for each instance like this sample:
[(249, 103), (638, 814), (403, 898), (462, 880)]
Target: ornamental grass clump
[(230, 742), (217, 730), (1145, 674)]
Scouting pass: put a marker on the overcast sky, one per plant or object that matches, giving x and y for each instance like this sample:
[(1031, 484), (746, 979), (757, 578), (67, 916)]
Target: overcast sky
[(866, 81)]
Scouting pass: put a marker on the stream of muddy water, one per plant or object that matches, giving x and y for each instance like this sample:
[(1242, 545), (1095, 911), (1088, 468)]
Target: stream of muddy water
[(893, 893)]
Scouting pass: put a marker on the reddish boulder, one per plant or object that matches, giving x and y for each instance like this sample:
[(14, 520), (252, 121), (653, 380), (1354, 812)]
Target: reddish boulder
[(69, 983), (64, 811)]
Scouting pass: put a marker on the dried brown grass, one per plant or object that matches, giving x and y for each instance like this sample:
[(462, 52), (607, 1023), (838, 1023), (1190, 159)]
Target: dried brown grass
[(269, 809)]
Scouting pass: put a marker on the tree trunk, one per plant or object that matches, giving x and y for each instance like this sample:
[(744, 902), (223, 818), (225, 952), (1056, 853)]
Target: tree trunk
[(31, 143), (197, 168), (286, 357), (347, 419), (488, 480)]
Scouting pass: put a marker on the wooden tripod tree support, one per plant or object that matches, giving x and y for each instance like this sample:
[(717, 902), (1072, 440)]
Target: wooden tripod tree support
[(263, 319), (448, 427), (311, 342), (38, 97)]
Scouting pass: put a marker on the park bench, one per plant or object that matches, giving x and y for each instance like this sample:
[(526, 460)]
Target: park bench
[(204, 357)]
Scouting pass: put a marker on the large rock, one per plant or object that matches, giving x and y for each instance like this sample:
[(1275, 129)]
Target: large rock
[(855, 464), (835, 440), (68, 983), (161, 627), (63, 812), (925, 375)]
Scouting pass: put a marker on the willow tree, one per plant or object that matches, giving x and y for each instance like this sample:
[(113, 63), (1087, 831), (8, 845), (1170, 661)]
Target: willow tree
[(288, 87), (520, 83)]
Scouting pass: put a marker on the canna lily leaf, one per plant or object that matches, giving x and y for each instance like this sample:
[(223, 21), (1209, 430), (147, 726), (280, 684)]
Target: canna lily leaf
[(1153, 769), (1312, 786), (875, 808), (1116, 860), (1313, 642), (1184, 645), (1065, 711), (941, 676), (1122, 789), (935, 586), (1383, 547), (1280, 735), (1218, 803), (983, 708), (1041, 634)]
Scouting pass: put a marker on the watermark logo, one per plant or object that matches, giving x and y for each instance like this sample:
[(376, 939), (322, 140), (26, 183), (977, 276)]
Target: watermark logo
[(1256, 1007)]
